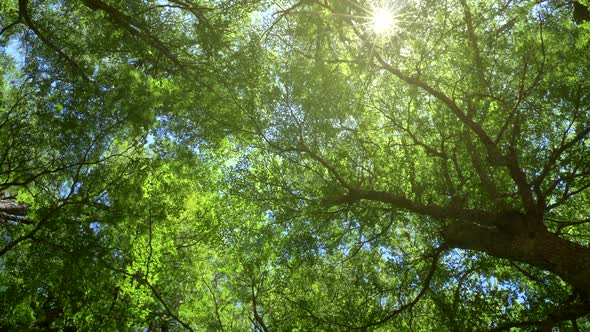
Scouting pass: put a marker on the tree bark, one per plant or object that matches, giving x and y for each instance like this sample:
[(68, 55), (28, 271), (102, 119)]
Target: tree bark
[(519, 238), (13, 208), (581, 13), (11, 211)]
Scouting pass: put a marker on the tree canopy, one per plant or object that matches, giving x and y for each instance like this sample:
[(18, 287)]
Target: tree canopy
[(311, 165)]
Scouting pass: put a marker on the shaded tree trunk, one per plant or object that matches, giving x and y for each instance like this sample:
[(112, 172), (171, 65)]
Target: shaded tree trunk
[(520, 238), (581, 13), (12, 207), (13, 211)]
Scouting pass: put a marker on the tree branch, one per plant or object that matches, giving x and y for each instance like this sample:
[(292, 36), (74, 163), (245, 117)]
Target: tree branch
[(409, 305), (22, 238), (8, 27), (134, 27), (258, 320), (474, 43), (431, 210), (144, 280), (555, 156), (166, 307), (32, 232), (495, 156), (24, 13), (197, 11), (559, 314)]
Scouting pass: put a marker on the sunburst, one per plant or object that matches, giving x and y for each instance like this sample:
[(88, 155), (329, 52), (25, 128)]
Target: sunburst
[(382, 20)]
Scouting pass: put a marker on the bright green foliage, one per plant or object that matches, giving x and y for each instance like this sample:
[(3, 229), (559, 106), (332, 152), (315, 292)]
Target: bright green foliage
[(280, 166)]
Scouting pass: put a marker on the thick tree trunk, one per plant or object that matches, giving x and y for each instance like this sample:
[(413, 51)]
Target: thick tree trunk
[(516, 237), (11, 211), (12, 207), (581, 13)]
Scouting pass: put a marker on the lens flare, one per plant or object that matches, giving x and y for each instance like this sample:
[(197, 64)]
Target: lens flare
[(382, 20)]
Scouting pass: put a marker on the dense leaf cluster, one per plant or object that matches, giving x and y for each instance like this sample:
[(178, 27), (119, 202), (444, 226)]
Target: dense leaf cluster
[(280, 166)]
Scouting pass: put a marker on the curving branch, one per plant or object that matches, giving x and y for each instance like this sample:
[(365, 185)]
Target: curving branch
[(302, 148), (49, 214), (166, 307), (135, 28), (425, 287), (215, 305), (567, 312), (555, 156), (474, 44), (481, 169), (23, 12), (561, 225), (567, 194), (22, 238), (9, 26), (431, 210), (281, 14), (494, 155), (197, 11), (258, 321), (143, 280)]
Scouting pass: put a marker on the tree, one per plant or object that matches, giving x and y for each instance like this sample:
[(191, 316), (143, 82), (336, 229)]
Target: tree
[(289, 166)]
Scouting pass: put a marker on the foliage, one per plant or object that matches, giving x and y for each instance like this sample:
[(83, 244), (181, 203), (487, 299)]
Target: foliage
[(279, 165)]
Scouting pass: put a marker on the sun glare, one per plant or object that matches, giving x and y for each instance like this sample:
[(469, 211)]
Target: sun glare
[(382, 20)]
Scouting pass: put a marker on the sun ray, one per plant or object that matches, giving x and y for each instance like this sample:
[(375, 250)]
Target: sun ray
[(382, 20)]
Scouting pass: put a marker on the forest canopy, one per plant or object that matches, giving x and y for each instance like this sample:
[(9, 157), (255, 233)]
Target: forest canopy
[(284, 165)]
